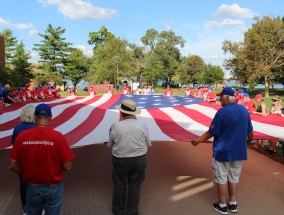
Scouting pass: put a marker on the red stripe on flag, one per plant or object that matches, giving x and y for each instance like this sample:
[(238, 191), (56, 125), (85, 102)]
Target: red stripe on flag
[(11, 124), (169, 127), (91, 122), (195, 115), (71, 111), (272, 119), (19, 105)]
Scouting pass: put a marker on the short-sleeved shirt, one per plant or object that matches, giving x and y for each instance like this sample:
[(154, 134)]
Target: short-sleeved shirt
[(41, 153), (129, 138), (6, 94), (230, 128), (125, 90), (2, 89), (250, 106), (211, 96), (168, 92), (21, 127)]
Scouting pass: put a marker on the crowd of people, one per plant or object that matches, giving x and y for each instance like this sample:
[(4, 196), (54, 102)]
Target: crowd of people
[(27, 93), (41, 186)]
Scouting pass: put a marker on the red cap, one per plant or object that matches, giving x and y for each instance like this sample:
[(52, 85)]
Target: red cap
[(258, 96)]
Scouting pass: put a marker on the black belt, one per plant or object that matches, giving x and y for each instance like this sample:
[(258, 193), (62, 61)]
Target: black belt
[(48, 184)]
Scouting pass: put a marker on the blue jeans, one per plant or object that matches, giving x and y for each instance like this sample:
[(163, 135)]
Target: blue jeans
[(45, 197)]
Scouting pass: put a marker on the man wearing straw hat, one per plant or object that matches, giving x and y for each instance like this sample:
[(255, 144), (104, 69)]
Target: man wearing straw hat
[(129, 139)]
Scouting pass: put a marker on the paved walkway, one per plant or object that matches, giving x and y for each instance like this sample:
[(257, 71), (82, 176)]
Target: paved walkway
[(178, 182)]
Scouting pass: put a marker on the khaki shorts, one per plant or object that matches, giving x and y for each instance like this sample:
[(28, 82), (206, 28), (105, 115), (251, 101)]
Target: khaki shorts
[(226, 171)]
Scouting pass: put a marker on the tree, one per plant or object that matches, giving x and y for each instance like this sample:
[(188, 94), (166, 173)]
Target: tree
[(163, 52), (53, 51), (261, 56), (152, 69), (138, 52), (3, 75), (21, 71), (10, 46), (150, 39), (76, 67), (112, 61), (100, 37), (191, 69), (213, 75)]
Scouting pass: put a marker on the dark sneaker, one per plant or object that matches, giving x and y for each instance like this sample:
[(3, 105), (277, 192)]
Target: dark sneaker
[(233, 208), (217, 207)]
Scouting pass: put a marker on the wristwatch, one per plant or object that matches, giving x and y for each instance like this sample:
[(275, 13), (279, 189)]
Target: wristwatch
[(195, 142), (252, 141)]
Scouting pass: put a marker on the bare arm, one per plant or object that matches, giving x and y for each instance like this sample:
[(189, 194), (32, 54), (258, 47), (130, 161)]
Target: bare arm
[(251, 141), (250, 136), (14, 166), (263, 105), (67, 166), (207, 135)]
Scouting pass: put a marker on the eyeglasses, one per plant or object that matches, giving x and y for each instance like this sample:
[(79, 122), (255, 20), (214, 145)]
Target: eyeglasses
[(274, 100)]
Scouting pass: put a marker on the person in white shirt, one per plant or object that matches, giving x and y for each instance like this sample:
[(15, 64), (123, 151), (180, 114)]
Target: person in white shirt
[(129, 140)]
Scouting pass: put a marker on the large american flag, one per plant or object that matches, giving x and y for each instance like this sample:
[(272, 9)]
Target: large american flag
[(86, 120)]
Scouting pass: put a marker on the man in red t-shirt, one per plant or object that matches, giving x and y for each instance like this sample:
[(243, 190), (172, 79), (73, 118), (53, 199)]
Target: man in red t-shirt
[(211, 95), (248, 103), (188, 91), (169, 91), (40, 155), (91, 91), (125, 89), (55, 92), (109, 90)]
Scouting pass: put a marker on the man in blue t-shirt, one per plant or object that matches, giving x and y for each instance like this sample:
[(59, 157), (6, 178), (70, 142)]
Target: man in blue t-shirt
[(232, 130)]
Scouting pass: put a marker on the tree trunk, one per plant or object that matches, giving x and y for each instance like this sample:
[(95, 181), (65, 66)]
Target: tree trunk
[(266, 87)]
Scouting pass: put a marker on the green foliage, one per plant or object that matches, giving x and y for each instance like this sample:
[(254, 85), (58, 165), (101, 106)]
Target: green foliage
[(100, 37), (152, 67), (260, 58), (139, 56), (3, 75), (76, 66), (150, 39), (53, 50), (163, 58), (112, 61), (213, 75), (191, 70), (20, 73)]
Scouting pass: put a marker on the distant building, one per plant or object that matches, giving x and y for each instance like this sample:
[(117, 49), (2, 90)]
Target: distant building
[(2, 53)]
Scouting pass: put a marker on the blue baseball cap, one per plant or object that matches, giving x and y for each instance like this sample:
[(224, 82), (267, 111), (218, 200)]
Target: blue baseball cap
[(227, 91), (241, 91), (246, 94), (43, 110)]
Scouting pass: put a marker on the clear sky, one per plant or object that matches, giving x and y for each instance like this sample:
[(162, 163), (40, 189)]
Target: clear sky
[(203, 24)]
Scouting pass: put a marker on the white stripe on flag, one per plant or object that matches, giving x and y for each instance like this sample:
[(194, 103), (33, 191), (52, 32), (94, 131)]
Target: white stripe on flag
[(81, 115), (185, 122)]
